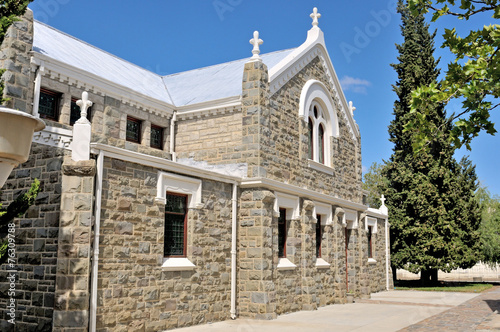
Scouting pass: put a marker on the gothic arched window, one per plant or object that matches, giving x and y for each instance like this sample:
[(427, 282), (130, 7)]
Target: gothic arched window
[(318, 144)]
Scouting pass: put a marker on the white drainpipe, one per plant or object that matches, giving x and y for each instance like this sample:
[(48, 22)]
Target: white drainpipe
[(93, 286), (387, 254), (172, 136), (38, 85), (233, 251)]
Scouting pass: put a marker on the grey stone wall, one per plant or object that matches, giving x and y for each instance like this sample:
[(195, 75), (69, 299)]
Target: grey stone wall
[(285, 154), (135, 293), (15, 58), (36, 241)]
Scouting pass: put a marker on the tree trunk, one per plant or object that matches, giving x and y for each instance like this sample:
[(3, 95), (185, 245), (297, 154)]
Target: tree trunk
[(429, 277)]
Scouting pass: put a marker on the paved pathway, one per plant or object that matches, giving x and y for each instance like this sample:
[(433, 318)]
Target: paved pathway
[(478, 314), (384, 312)]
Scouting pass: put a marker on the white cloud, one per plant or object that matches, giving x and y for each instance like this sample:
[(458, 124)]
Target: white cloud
[(356, 85), (364, 169)]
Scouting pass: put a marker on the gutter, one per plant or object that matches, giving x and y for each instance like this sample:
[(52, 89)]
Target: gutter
[(172, 136), (95, 259), (38, 85), (233, 250)]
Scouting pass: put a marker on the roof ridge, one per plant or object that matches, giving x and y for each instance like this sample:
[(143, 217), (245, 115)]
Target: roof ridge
[(95, 47), (226, 63)]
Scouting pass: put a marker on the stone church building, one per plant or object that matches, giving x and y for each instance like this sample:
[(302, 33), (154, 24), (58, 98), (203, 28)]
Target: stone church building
[(228, 191)]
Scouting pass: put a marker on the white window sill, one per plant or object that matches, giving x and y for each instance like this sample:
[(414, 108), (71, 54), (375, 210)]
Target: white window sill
[(372, 261), (177, 264), (320, 167), (321, 263), (285, 264)]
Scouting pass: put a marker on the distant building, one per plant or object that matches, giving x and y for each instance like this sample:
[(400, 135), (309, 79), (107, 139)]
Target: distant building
[(227, 191)]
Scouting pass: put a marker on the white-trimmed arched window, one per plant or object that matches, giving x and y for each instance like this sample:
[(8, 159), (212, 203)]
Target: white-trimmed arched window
[(317, 109)]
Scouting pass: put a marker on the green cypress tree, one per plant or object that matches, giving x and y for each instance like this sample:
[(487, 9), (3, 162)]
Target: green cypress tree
[(427, 192)]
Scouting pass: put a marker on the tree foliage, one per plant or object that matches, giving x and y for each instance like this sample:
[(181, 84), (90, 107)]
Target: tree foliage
[(490, 226), (430, 196), (374, 182), (10, 10), (473, 77), (16, 209)]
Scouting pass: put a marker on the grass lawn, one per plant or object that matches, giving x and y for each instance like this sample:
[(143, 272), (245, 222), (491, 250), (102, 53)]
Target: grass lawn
[(443, 286)]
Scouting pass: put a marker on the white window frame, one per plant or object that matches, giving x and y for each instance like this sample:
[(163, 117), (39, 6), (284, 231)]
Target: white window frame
[(169, 182), (315, 93), (292, 205)]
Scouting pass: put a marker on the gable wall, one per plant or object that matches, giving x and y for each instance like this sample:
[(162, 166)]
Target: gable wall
[(285, 155)]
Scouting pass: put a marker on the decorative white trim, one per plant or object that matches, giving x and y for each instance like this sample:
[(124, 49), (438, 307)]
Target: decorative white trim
[(372, 261), (323, 209), (320, 167), (321, 263), (177, 264), (298, 191), (370, 221), (376, 213), (179, 184), (287, 68), (53, 136), (351, 218), (219, 107), (289, 202), (285, 264)]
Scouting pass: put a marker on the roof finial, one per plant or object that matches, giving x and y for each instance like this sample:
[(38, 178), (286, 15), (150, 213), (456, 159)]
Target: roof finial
[(315, 15), (351, 108), (382, 199), (255, 41), (84, 104)]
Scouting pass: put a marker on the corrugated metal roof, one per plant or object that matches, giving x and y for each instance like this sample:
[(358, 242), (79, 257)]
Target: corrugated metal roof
[(185, 88)]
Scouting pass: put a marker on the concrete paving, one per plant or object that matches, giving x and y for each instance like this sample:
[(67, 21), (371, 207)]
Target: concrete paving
[(385, 311)]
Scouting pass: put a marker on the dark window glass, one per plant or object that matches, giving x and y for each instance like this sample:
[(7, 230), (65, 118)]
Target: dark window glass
[(321, 142), (76, 112), (156, 137), (133, 130), (370, 253), (282, 233), (175, 225), (48, 106), (310, 138), (319, 236)]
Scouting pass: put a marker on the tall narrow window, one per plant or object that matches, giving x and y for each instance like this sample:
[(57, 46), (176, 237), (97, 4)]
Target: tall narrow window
[(282, 233), (156, 137), (370, 248), (319, 236), (310, 139), (321, 144), (76, 112), (175, 225), (133, 130), (48, 107)]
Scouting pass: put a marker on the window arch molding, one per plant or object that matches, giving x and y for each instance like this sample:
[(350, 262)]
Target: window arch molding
[(316, 106), (315, 91)]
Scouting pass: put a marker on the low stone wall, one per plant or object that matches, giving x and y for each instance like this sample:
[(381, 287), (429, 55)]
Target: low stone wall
[(479, 272)]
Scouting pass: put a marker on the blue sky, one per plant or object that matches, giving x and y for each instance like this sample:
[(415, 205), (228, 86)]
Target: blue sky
[(167, 37)]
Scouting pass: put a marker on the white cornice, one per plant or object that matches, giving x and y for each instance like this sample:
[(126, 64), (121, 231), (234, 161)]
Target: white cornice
[(287, 68), (161, 163), (303, 192), (53, 136), (66, 73), (213, 107)]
